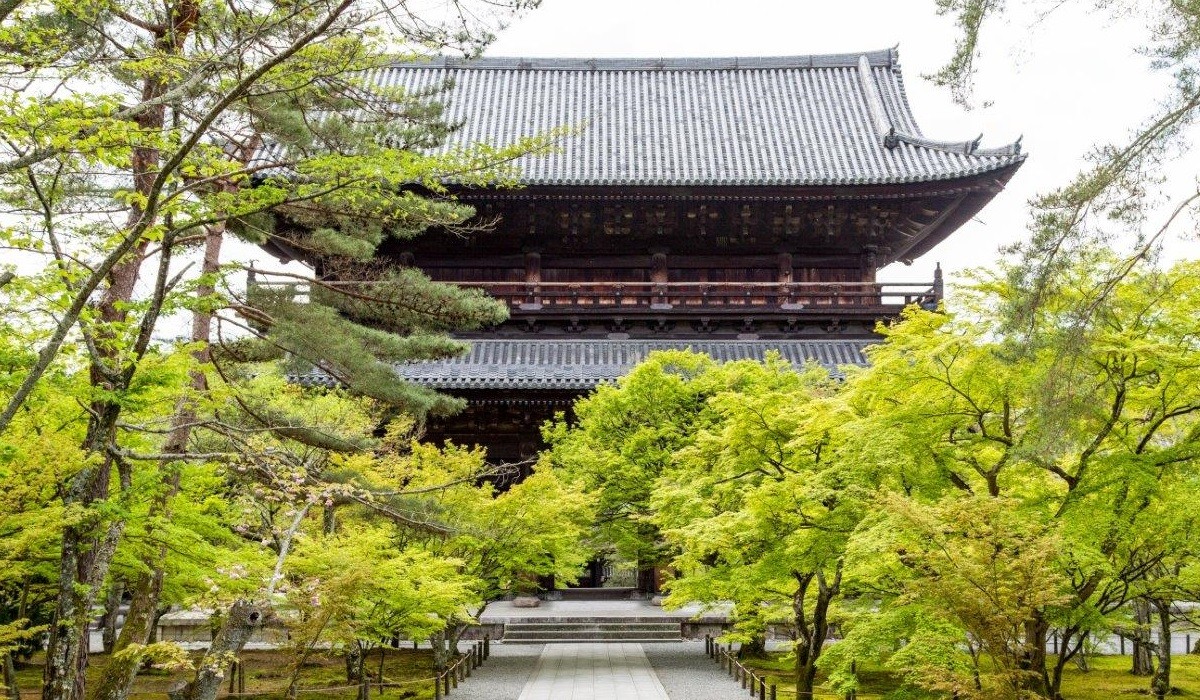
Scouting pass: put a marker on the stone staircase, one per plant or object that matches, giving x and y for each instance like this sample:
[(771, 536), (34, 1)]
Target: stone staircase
[(597, 630)]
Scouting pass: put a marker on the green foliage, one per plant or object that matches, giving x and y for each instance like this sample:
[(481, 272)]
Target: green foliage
[(945, 508), (1121, 200), (625, 438)]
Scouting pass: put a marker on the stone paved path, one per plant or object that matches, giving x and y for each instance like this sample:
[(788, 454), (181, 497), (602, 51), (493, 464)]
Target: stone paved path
[(612, 671), (677, 671)]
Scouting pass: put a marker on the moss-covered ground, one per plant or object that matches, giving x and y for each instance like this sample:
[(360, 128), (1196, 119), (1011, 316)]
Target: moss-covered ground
[(1108, 677), (267, 674)]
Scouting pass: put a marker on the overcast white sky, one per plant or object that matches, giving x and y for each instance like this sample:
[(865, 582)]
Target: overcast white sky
[(1065, 80)]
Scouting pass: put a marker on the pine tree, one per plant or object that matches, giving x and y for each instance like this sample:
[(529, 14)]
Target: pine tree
[(199, 120)]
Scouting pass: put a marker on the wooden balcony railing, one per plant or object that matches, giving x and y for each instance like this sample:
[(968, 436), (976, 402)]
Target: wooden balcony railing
[(704, 296)]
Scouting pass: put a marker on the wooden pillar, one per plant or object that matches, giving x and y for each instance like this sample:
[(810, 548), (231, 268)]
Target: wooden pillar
[(533, 267), (870, 263), (784, 276), (658, 268), (533, 276), (660, 275)]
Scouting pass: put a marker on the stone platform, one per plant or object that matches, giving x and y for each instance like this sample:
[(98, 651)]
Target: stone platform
[(503, 611), (693, 621)]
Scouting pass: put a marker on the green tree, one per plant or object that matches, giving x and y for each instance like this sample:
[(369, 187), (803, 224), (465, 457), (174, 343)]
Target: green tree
[(152, 128), (1086, 442), (759, 508), (731, 475), (1120, 199), (624, 438)]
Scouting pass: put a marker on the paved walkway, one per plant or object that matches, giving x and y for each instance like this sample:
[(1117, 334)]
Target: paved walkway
[(593, 672), (675, 671)]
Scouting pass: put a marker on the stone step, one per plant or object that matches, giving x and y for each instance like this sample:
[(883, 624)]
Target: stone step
[(596, 593), (593, 626), (592, 631), (595, 637), (517, 619), (592, 641)]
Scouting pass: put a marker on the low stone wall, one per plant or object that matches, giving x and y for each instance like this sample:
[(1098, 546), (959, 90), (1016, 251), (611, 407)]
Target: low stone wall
[(195, 628)]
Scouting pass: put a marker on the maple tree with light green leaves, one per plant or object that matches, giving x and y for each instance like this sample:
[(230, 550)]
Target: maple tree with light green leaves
[(945, 510), (139, 139)]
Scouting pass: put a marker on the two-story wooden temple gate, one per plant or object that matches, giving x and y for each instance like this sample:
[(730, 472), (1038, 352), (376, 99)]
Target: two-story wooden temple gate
[(733, 206)]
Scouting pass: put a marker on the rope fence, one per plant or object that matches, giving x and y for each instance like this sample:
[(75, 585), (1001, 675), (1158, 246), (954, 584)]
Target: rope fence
[(756, 684), (443, 682), (460, 670)]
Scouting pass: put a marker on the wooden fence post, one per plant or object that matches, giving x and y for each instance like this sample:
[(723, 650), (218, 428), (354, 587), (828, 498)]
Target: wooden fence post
[(437, 687)]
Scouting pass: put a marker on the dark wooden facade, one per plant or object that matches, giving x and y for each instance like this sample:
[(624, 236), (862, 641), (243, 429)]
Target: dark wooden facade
[(674, 262), (745, 204), (609, 265)]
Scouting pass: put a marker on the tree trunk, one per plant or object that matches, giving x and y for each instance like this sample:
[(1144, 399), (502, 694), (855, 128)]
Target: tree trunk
[(117, 679), (364, 683), (112, 610), (353, 663), (382, 660), (1160, 682), (1033, 660), (11, 689), (812, 633), (87, 549), (441, 655), (242, 620), (118, 676), (158, 616), (1143, 659), (88, 546)]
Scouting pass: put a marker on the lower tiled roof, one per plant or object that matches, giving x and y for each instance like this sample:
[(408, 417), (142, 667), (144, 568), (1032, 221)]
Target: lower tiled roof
[(582, 364)]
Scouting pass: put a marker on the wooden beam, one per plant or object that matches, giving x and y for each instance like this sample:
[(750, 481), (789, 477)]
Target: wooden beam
[(929, 228)]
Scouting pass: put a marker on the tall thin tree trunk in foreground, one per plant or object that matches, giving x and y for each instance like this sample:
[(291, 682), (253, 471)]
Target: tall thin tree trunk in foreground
[(11, 689), (117, 679)]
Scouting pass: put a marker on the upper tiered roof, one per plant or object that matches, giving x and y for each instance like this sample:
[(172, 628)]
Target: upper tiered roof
[(840, 119)]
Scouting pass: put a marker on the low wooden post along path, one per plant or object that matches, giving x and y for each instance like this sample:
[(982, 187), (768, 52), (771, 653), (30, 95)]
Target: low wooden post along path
[(460, 670), (756, 684)]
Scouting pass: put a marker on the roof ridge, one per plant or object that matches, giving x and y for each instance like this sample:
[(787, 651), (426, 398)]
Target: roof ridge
[(891, 136), (883, 58)]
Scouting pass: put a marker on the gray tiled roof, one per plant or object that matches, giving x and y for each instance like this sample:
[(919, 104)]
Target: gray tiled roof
[(794, 120), (582, 364)]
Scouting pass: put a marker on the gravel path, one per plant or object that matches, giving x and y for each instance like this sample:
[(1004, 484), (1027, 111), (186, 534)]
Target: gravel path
[(688, 674), (502, 676)]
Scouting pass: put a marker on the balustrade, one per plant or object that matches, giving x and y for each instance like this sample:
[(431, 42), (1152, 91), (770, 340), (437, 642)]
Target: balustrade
[(689, 296)]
